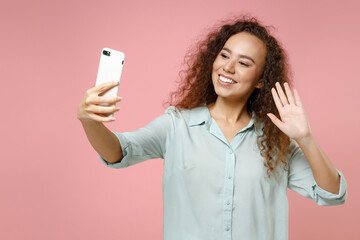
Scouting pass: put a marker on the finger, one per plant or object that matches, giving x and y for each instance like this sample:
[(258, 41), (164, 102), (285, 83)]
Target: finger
[(281, 93), (276, 121), (102, 109), (297, 98), (101, 118), (94, 99), (104, 87), (289, 93), (276, 100)]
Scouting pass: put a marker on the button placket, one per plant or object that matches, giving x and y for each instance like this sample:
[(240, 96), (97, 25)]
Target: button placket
[(228, 192)]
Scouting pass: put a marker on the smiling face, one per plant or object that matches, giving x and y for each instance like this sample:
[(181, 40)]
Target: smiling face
[(237, 68)]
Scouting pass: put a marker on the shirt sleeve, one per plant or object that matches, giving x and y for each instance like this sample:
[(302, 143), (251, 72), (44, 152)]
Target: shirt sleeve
[(145, 143), (301, 181)]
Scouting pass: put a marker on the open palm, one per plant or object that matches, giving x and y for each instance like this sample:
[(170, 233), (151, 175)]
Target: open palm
[(294, 122)]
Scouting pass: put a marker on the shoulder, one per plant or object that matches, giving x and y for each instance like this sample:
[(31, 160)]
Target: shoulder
[(178, 113)]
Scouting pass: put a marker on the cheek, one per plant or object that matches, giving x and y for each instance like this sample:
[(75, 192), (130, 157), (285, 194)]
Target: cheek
[(248, 75)]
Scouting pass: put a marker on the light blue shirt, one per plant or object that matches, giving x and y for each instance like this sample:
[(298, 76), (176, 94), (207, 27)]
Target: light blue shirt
[(213, 190)]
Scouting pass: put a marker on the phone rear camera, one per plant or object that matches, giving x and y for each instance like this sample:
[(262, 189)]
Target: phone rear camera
[(107, 53)]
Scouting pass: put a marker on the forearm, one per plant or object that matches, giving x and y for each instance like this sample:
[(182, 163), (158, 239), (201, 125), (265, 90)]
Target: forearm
[(103, 141), (325, 173)]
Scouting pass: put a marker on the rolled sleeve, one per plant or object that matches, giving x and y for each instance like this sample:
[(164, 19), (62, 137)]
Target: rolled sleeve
[(124, 143), (326, 198), (301, 181)]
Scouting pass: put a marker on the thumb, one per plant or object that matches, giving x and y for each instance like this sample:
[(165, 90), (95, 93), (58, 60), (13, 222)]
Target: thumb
[(275, 120), (102, 88)]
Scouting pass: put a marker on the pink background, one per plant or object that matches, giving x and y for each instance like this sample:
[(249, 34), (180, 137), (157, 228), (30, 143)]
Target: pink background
[(52, 184)]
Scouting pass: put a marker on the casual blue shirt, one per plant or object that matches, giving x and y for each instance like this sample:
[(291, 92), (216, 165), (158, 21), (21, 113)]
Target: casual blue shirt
[(217, 190)]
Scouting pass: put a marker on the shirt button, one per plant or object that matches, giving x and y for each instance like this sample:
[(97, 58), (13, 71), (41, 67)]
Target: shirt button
[(228, 203), (231, 153), (227, 229), (229, 177)]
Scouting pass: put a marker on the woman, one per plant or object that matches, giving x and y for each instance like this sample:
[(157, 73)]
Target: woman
[(232, 141)]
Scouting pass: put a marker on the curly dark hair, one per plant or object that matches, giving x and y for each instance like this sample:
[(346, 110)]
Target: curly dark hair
[(196, 87)]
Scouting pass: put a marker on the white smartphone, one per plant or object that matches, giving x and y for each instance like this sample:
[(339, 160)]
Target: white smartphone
[(110, 69)]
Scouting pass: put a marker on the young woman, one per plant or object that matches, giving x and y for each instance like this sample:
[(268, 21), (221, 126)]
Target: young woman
[(233, 140)]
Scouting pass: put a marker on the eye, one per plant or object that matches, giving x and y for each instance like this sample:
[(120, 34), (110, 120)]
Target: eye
[(223, 55), (244, 64)]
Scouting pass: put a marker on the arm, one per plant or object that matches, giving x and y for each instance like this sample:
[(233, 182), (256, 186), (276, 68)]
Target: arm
[(325, 174), (91, 116), (103, 141), (295, 125), (148, 142), (301, 180)]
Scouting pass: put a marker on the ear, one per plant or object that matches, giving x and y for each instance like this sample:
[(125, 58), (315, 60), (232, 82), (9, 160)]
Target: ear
[(259, 85)]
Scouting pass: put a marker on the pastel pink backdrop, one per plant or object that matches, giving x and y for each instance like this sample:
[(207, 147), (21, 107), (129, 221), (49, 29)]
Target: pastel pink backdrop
[(52, 184)]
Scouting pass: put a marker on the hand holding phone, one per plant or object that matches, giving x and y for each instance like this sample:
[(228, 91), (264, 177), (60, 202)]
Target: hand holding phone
[(92, 108)]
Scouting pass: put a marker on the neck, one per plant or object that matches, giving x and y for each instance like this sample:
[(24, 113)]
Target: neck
[(231, 112)]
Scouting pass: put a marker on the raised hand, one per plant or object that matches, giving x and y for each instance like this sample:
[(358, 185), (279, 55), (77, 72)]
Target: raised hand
[(294, 122), (90, 110)]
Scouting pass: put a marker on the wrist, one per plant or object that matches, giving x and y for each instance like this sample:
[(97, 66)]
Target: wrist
[(88, 121), (305, 140)]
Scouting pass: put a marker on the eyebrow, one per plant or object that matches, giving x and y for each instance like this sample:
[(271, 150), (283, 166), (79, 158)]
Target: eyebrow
[(240, 55)]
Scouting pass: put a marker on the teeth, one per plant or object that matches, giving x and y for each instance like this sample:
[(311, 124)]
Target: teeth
[(223, 79)]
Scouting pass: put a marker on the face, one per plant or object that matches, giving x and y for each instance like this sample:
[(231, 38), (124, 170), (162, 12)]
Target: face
[(237, 68)]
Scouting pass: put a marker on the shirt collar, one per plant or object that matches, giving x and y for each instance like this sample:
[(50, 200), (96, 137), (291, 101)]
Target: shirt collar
[(201, 115)]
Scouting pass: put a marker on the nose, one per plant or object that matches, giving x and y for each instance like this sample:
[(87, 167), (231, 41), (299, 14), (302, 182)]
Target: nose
[(229, 66)]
